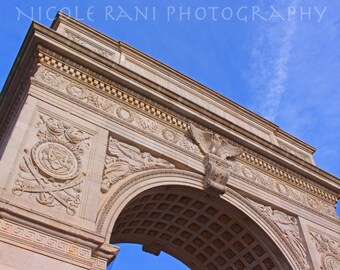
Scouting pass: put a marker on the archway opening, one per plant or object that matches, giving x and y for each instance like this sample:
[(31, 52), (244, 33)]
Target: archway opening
[(201, 230), (132, 257)]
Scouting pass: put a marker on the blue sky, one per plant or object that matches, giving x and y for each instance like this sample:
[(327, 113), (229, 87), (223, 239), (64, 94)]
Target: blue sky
[(281, 59)]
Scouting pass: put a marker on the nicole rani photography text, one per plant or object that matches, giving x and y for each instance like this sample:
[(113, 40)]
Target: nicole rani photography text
[(117, 13)]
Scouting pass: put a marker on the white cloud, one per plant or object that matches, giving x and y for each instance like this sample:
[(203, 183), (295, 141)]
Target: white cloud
[(270, 57)]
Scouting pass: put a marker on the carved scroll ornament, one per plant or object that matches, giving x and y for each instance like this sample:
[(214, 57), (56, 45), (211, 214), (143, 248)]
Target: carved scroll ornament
[(123, 159), (51, 170), (219, 156)]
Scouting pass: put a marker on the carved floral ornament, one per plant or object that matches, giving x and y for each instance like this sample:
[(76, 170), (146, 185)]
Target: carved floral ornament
[(51, 171), (123, 159), (329, 250)]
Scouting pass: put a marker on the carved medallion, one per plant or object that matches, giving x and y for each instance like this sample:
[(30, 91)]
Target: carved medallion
[(56, 159), (51, 169), (170, 135), (51, 78), (329, 248), (125, 114), (76, 91), (247, 172)]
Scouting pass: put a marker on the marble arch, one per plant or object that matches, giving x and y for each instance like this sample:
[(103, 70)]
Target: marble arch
[(177, 206), (93, 130)]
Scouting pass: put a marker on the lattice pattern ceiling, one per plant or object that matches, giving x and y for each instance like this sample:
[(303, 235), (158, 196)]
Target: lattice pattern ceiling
[(189, 226)]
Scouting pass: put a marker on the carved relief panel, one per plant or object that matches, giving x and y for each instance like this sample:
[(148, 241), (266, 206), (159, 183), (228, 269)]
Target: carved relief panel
[(328, 249), (115, 102), (284, 190), (289, 230), (123, 108), (52, 169), (123, 159)]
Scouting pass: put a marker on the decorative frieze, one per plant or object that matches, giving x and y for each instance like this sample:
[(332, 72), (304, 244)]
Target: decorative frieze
[(286, 175), (158, 121), (44, 243), (51, 171), (283, 189), (123, 159), (329, 250), (110, 108), (113, 89)]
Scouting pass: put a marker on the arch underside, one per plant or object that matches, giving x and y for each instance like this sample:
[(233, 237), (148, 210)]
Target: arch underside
[(198, 228)]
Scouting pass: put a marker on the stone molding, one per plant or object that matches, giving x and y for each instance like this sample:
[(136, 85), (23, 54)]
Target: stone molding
[(92, 46), (43, 243), (329, 250), (295, 152), (148, 122)]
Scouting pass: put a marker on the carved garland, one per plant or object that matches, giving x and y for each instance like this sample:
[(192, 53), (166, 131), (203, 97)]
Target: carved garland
[(51, 170)]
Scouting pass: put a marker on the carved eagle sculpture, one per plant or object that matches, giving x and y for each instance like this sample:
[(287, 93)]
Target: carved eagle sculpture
[(211, 143)]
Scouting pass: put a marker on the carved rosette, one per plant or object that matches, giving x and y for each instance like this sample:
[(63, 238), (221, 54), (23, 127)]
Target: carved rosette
[(123, 159), (289, 229), (51, 171), (329, 250)]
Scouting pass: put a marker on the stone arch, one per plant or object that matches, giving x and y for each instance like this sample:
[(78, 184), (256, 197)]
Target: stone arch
[(128, 193)]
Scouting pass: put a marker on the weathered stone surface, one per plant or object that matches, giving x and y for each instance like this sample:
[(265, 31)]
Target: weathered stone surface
[(87, 162)]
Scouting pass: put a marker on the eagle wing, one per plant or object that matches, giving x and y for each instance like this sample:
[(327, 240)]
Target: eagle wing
[(123, 151), (228, 150), (202, 138)]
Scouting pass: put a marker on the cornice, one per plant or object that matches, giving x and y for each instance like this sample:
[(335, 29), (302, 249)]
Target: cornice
[(115, 91), (61, 45), (176, 76)]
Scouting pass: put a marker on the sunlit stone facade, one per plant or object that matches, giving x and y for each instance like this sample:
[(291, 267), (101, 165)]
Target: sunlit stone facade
[(102, 144)]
